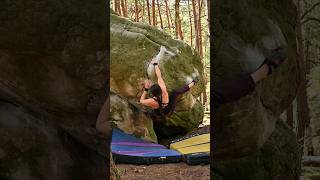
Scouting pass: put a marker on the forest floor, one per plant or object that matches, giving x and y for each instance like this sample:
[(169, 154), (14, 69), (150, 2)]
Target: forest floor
[(310, 173), (175, 171)]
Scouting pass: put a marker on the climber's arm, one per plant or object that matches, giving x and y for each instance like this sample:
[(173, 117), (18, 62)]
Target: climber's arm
[(143, 99), (165, 96), (143, 96), (147, 102)]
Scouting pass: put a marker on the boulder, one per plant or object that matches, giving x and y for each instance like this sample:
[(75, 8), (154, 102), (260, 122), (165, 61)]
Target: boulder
[(133, 45), (32, 147), (278, 159), (131, 118), (245, 33), (53, 65)]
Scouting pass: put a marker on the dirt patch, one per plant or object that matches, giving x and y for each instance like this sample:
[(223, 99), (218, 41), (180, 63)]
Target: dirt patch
[(177, 171)]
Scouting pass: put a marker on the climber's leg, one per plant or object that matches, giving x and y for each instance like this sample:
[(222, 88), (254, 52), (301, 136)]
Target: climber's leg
[(181, 90), (233, 90)]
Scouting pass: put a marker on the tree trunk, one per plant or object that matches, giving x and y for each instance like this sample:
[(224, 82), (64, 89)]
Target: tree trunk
[(308, 65), (195, 19), (208, 7), (117, 7), (302, 100), (136, 10), (126, 7), (200, 29), (154, 19), (190, 23), (148, 9), (124, 10), (172, 22), (167, 13), (143, 11), (159, 10), (177, 20)]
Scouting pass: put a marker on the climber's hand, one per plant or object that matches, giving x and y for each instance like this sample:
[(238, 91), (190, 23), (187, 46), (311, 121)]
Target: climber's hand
[(147, 84), (154, 61)]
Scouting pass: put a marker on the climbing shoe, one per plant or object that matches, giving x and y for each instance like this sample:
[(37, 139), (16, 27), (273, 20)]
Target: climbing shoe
[(276, 58), (195, 80)]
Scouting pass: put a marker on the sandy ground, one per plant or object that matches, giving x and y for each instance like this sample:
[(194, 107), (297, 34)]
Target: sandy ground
[(176, 171)]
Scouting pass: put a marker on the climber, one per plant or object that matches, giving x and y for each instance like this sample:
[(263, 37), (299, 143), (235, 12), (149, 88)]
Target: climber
[(162, 103), (232, 90)]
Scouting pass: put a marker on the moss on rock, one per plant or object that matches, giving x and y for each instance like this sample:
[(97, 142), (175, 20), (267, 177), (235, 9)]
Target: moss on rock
[(133, 45)]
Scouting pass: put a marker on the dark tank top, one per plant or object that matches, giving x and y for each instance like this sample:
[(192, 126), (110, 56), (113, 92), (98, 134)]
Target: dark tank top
[(166, 111)]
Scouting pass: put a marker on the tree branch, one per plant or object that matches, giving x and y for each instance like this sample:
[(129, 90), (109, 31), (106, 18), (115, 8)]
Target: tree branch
[(309, 10), (310, 19)]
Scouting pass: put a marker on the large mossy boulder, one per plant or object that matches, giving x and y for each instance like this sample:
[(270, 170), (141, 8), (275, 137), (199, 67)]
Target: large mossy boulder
[(53, 65), (245, 33), (133, 45), (247, 139)]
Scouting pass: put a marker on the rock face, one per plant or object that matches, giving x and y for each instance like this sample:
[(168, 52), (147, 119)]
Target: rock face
[(31, 147), (128, 117), (52, 79), (133, 45), (275, 160), (245, 33)]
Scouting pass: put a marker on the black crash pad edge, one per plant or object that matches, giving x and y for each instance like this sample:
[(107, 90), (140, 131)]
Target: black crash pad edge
[(197, 158), (119, 158)]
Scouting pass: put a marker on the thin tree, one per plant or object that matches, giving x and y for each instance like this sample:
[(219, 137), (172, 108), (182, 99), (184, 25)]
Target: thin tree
[(126, 6), (190, 23), (167, 14), (200, 28), (302, 100), (154, 19), (143, 11), (159, 10), (208, 7), (178, 20), (172, 22), (124, 9), (117, 7), (148, 9), (136, 10), (195, 20)]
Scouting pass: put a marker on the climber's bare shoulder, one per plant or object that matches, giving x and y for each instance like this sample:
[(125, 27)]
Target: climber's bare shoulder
[(150, 103)]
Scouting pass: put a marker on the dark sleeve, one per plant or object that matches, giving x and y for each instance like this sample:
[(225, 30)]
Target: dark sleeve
[(232, 90)]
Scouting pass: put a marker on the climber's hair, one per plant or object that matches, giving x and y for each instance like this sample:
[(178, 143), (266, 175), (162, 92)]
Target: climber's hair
[(156, 91)]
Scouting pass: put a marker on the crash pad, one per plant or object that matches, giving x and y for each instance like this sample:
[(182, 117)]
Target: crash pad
[(192, 141), (195, 148), (126, 148)]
